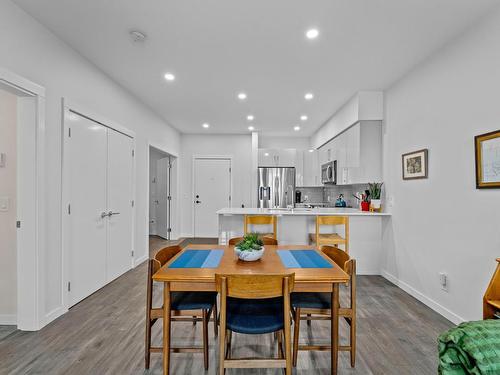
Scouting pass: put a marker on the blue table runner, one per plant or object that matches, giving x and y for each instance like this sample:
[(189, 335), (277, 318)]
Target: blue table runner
[(198, 259), (303, 259)]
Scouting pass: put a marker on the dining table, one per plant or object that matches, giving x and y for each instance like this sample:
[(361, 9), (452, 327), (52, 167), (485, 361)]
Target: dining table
[(307, 279)]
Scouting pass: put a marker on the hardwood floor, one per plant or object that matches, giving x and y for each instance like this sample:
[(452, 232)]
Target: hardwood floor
[(104, 334)]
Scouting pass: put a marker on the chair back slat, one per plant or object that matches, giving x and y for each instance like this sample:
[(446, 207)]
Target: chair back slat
[(167, 253), (255, 286), (260, 219), (266, 240), (339, 256), (332, 220)]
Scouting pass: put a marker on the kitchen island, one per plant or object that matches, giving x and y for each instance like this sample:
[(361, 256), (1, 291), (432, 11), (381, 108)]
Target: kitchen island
[(294, 226)]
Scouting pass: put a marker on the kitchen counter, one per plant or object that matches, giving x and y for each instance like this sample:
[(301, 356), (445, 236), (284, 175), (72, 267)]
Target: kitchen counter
[(334, 211), (295, 226)]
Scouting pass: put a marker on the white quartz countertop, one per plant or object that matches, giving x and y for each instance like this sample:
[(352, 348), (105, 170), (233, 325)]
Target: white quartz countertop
[(299, 211)]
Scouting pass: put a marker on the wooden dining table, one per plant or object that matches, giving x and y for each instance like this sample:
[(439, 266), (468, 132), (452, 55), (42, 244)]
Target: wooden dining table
[(203, 279)]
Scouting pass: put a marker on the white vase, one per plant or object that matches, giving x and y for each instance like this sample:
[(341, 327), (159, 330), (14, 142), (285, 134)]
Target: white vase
[(376, 203), (249, 256)]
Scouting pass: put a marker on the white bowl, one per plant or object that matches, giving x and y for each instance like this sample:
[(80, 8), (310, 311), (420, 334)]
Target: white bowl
[(249, 256)]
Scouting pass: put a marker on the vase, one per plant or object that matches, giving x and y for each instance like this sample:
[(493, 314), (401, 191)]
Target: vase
[(249, 256)]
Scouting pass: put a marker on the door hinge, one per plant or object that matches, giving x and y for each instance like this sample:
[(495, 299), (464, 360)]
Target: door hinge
[(169, 198), (69, 132), (229, 169), (18, 224), (132, 253), (132, 203), (229, 197), (69, 286), (133, 153), (169, 230), (69, 209)]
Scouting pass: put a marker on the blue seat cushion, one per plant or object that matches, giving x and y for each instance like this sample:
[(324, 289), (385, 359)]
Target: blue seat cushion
[(311, 300), (192, 300), (254, 316)]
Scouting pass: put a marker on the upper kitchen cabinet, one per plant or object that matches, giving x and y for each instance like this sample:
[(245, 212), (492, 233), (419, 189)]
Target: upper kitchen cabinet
[(311, 169), (277, 157)]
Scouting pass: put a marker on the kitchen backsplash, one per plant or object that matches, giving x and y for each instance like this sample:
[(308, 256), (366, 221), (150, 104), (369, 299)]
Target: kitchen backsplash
[(329, 194)]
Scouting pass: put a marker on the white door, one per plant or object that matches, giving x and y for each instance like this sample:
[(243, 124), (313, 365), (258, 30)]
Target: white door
[(86, 184), (119, 204), (212, 191), (162, 183)]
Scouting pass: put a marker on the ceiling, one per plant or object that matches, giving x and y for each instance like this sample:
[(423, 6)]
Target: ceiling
[(217, 48)]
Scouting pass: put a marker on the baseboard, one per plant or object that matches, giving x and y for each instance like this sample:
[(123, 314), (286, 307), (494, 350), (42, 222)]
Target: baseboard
[(362, 272), (140, 260), (53, 315), (422, 298), (8, 319)]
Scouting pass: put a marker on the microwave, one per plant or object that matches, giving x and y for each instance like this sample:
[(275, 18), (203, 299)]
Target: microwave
[(329, 173)]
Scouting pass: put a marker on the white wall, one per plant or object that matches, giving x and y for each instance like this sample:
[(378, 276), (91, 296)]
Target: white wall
[(237, 146), (30, 50), (8, 274), (300, 143), (443, 223)]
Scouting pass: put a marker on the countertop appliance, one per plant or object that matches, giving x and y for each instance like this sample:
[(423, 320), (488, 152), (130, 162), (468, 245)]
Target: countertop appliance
[(276, 187), (329, 173)]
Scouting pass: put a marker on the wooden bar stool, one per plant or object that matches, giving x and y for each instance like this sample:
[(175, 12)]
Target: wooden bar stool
[(261, 220), (317, 306), (267, 241), (254, 305), (321, 239), (186, 307)]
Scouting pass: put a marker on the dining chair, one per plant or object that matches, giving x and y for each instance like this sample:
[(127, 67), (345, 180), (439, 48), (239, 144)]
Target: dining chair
[(317, 306), (261, 220), (321, 239), (185, 306), (255, 304), (266, 240)]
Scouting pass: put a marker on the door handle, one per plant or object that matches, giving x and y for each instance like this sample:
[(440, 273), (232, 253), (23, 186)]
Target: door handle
[(197, 202), (111, 213), (103, 215)]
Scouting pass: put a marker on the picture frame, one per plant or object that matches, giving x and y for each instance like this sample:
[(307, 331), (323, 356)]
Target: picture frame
[(415, 164), (487, 152)]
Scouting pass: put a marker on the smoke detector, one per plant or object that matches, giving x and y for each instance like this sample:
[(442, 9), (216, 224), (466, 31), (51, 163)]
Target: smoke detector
[(138, 36)]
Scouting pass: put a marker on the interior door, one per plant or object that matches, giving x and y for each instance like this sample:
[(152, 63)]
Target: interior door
[(86, 184), (212, 191), (119, 204), (162, 193)]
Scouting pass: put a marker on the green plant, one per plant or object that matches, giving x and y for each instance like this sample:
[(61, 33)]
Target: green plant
[(250, 242), (375, 189)]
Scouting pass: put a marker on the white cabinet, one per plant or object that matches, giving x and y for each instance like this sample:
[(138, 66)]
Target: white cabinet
[(358, 152), (277, 157), (311, 169)]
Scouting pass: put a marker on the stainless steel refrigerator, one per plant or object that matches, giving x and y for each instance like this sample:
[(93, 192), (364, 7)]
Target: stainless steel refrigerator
[(276, 187)]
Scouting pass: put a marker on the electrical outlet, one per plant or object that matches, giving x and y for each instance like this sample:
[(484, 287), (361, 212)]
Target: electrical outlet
[(443, 281)]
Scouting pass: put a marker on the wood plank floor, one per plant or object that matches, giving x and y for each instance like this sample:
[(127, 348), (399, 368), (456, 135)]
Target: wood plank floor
[(104, 334)]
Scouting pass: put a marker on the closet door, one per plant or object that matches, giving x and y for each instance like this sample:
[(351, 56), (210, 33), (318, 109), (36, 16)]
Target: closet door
[(86, 186), (119, 204)]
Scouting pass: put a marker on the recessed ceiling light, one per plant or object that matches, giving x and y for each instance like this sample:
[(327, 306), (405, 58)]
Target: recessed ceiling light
[(250, 117), (312, 33), (251, 128), (311, 150), (296, 128), (169, 76), (266, 154), (205, 125), (242, 96), (303, 118), (309, 96)]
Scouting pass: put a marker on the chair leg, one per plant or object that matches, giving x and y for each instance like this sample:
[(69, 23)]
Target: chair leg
[(222, 351), (296, 330), (194, 319), (309, 320), (147, 354), (205, 338), (216, 319), (352, 340), (280, 344), (229, 342)]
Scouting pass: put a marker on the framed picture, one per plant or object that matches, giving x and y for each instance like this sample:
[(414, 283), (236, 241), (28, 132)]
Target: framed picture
[(415, 165), (488, 160)]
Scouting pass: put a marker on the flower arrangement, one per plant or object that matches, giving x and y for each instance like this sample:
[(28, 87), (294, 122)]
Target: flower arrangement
[(250, 242)]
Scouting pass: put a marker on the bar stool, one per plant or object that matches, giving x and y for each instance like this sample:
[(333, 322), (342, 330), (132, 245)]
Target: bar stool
[(335, 239), (261, 220), (317, 306)]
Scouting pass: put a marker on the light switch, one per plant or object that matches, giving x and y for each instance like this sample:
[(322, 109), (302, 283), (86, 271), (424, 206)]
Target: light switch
[(4, 204)]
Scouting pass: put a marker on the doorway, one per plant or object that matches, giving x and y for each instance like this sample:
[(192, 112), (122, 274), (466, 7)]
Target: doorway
[(211, 192), (162, 194)]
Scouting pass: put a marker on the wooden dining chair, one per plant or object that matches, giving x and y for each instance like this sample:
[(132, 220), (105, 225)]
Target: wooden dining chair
[(317, 306), (185, 306), (261, 220), (266, 240), (255, 304), (336, 239)]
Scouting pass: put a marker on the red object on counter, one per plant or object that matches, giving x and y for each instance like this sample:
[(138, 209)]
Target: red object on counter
[(365, 206)]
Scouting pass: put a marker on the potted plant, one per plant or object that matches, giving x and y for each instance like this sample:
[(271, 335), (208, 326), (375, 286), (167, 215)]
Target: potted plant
[(250, 248), (375, 189)]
